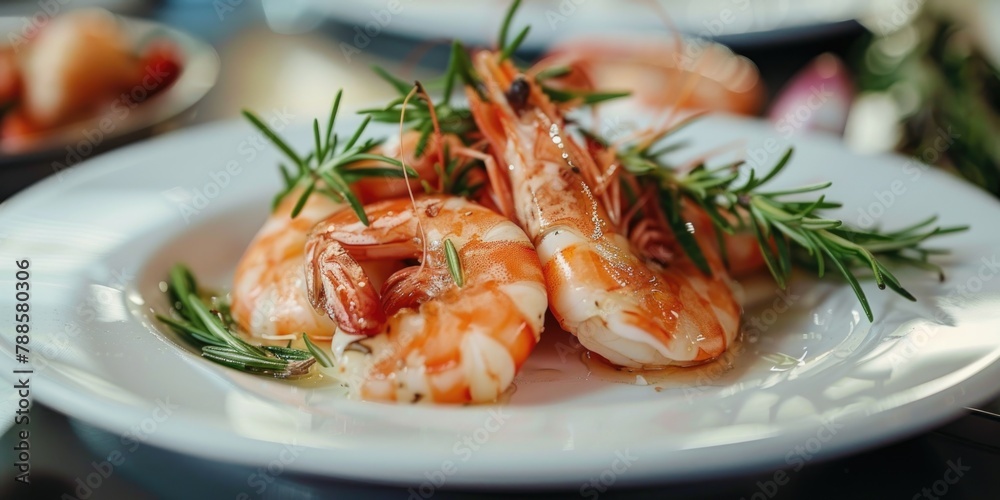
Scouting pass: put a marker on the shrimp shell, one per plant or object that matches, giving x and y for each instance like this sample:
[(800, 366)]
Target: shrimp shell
[(630, 310), (424, 337)]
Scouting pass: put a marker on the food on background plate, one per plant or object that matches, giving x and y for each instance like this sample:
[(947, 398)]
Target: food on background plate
[(633, 252), (80, 65), (662, 74)]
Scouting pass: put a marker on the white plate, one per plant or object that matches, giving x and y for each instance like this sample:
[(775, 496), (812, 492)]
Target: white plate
[(101, 238), (746, 22)]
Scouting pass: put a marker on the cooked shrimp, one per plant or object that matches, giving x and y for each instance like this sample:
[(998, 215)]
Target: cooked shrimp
[(626, 308), (269, 292), (743, 256), (372, 189), (268, 295), (659, 72), (426, 337), (10, 76), (78, 62)]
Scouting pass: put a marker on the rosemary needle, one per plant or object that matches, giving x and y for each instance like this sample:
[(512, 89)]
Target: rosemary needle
[(316, 352), (454, 263)]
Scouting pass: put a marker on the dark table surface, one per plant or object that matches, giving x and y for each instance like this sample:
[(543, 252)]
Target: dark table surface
[(958, 460)]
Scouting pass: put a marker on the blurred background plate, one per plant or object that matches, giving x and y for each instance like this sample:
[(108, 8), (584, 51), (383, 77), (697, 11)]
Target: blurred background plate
[(199, 71), (741, 22), (20, 8)]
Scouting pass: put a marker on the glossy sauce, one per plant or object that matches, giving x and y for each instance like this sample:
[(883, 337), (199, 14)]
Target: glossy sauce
[(315, 379), (716, 372)]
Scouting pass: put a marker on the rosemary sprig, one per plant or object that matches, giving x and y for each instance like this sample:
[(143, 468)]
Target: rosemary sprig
[(580, 97), (788, 231), (456, 176), (452, 120), (331, 167), (418, 114), (456, 121), (577, 96), (454, 263), (583, 97), (506, 50), (211, 329)]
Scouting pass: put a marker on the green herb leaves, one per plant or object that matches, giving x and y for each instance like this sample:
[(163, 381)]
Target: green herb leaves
[(583, 97), (789, 226), (332, 166), (204, 326), (506, 50), (454, 263)]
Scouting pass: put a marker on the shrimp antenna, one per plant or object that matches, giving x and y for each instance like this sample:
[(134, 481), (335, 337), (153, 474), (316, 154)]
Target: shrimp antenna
[(690, 83), (402, 160), (664, 16), (438, 137)]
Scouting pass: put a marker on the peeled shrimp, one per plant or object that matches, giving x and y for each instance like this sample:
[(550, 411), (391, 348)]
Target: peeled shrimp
[(743, 256), (425, 337), (268, 295), (269, 292), (78, 62), (627, 308), (660, 74), (371, 189), (10, 77)]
